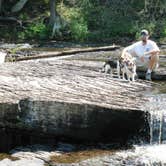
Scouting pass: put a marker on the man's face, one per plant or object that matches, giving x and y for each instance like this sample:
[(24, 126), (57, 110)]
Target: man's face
[(144, 38)]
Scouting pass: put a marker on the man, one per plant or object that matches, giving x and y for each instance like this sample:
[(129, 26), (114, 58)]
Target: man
[(146, 52)]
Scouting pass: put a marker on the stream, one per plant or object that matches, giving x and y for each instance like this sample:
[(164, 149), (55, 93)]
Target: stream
[(66, 154)]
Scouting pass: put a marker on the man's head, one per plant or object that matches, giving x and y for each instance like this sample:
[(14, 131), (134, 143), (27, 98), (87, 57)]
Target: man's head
[(144, 35)]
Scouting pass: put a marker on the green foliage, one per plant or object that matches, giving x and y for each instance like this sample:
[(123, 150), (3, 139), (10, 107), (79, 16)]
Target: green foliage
[(79, 30), (35, 31), (23, 16), (150, 26), (160, 30), (76, 22), (85, 20)]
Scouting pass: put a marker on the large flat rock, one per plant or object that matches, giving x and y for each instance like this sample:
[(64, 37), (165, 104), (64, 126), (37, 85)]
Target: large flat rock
[(66, 81), (67, 98)]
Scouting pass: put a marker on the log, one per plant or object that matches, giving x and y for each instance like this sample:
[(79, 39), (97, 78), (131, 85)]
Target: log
[(68, 52)]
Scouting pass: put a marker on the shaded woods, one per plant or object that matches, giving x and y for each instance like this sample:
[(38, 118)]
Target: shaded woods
[(81, 20)]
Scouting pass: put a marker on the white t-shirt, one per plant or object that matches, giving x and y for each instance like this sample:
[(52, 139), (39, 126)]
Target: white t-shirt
[(138, 49)]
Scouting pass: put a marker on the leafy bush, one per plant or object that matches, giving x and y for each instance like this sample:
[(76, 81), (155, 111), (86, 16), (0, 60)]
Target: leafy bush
[(75, 19), (150, 26), (35, 31), (79, 30)]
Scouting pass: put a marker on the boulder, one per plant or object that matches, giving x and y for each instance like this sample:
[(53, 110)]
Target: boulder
[(66, 99)]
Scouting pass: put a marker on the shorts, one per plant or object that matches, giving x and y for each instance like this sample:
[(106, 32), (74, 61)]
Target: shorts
[(139, 63)]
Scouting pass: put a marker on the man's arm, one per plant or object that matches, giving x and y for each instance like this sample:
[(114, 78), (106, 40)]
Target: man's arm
[(154, 49), (124, 52), (152, 52)]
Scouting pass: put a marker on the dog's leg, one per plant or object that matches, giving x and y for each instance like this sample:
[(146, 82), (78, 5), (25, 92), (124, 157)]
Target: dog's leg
[(118, 69), (128, 73), (125, 71), (133, 77), (111, 74), (123, 75), (103, 68), (134, 73), (128, 76), (107, 69)]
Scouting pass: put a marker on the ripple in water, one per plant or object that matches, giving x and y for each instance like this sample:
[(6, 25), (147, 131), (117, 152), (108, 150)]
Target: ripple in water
[(147, 155)]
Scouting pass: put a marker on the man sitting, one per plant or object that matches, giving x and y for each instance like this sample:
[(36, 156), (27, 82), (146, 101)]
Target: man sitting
[(146, 52)]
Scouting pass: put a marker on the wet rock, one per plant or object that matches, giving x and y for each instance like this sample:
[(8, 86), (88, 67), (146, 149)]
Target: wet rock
[(65, 147), (68, 99)]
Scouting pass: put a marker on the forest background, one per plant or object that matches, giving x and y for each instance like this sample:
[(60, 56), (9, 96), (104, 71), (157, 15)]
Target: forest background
[(94, 21)]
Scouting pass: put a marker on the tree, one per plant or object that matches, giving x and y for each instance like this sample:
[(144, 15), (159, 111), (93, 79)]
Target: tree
[(1, 2), (19, 5), (55, 21), (53, 13)]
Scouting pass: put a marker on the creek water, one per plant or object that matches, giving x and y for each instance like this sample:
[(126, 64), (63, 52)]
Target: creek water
[(153, 153)]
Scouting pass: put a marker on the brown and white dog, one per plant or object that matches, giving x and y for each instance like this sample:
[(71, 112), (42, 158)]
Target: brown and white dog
[(125, 65)]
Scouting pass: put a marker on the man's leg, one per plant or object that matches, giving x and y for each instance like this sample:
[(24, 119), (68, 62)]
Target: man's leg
[(154, 58)]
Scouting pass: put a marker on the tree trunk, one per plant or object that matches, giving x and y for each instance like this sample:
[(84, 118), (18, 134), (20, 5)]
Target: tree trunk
[(1, 2), (19, 5), (52, 12)]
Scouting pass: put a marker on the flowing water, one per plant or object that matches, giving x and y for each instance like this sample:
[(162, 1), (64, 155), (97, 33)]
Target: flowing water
[(154, 153)]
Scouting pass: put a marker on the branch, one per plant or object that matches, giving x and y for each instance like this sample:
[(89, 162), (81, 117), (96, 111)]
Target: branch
[(10, 19)]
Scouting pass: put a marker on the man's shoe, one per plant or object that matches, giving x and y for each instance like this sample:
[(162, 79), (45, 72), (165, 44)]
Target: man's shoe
[(148, 76)]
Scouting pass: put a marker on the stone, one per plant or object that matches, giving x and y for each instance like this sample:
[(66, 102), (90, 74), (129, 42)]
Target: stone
[(66, 99)]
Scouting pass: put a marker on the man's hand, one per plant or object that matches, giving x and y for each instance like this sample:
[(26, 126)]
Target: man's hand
[(142, 58)]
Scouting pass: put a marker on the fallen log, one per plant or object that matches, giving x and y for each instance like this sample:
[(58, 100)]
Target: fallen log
[(68, 52)]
